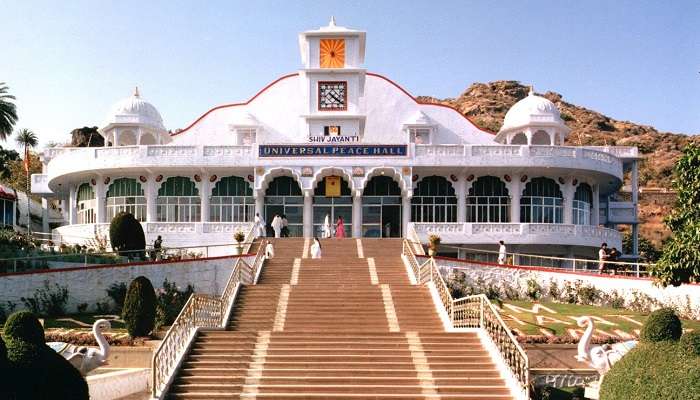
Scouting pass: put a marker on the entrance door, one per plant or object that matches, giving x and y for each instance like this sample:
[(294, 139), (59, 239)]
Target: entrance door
[(283, 197), (334, 207), (381, 208)]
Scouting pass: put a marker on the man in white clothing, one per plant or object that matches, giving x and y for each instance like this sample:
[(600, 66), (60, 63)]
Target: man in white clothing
[(277, 226), (259, 226), (501, 252)]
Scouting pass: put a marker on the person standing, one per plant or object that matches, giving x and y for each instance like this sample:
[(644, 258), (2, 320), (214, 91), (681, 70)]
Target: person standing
[(277, 226), (157, 246), (259, 226), (316, 249), (501, 252), (326, 230), (602, 257), (285, 226), (340, 228), (269, 250)]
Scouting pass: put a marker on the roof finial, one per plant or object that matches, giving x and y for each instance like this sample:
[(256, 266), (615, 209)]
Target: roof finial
[(136, 92), (332, 23), (531, 92)]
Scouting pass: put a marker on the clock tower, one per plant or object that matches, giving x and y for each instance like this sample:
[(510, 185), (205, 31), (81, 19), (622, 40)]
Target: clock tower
[(333, 82)]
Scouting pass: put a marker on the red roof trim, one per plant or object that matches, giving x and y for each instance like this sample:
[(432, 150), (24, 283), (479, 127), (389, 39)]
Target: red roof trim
[(541, 269), (368, 73), (424, 103), (235, 104), (134, 264)]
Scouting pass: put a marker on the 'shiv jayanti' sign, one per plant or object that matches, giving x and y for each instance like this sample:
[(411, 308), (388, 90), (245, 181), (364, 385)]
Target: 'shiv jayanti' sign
[(332, 151)]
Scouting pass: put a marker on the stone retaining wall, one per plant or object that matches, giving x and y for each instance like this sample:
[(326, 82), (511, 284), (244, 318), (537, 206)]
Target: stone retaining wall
[(685, 298), (89, 284)]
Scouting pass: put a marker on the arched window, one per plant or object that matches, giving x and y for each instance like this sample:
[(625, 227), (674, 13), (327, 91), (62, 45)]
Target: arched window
[(232, 201), (542, 202), (583, 200), (178, 201), (126, 195), (541, 138), (519, 138), (488, 201), (85, 200), (434, 200)]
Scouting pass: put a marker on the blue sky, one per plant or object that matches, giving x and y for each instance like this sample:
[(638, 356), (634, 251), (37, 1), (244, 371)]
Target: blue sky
[(68, 62)]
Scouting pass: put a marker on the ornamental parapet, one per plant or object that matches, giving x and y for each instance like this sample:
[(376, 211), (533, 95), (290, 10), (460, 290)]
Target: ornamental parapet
[(519, 233)]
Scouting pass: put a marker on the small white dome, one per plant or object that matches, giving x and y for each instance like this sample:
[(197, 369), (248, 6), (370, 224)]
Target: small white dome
[(532, 109), (135, 110)]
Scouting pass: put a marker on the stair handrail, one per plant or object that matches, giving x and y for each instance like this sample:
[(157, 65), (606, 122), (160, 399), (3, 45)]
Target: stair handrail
[(200, 311), (410, 256), (477, 311), (414, 239)]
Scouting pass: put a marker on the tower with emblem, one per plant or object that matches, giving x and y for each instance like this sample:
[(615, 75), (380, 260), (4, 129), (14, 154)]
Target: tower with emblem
[(333, 82)]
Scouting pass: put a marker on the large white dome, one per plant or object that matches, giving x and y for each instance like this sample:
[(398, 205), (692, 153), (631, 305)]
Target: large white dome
[(532, 110), (135, 110)]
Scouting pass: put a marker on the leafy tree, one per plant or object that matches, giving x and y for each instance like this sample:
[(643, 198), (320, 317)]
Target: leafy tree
[(6, 156), (680, 262), (8, 112), (27, 139), (126, 235), (139, 312), (647, 251)]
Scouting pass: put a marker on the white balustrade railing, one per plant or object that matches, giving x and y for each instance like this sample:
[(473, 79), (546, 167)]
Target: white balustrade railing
[(199, 312), (478, 312)]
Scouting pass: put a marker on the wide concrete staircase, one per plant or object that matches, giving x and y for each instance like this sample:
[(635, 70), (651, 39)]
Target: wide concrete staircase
[(347, 326)]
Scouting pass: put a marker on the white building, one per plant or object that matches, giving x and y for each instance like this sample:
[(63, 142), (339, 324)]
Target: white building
[(397, 160)]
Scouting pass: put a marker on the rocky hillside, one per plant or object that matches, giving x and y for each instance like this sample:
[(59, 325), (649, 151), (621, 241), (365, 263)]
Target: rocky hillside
[(487, 103)]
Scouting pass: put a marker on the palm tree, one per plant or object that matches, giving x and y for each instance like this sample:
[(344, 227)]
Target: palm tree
[(27, 139), (8, 112)]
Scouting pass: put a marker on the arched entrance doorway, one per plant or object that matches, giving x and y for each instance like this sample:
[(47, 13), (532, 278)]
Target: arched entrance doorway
[(381, 208), (283, 197), (333, 206)]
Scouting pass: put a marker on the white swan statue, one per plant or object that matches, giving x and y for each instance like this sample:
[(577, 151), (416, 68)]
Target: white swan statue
[(83, 358), (601, 358)]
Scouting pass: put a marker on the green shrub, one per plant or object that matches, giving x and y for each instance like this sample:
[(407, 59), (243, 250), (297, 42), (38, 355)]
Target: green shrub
[(126, 235), (117, 292), (139, 311), (48, 301), (534, 290), (170, 302), (690, 342), (24, 326), (35, 371), (653, 371), (663, 324)]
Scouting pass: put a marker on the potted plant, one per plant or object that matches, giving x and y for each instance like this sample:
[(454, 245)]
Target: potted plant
[(239, 237), (433, 243)]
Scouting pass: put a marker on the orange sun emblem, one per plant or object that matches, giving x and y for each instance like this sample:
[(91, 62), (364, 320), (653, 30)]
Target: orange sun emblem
[(332, 53)]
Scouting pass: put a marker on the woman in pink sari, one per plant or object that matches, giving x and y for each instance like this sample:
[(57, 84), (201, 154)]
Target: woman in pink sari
[(340, 228)]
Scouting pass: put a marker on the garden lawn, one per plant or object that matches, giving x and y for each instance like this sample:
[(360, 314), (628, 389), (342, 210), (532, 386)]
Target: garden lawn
[(556, 319), (87, 319)]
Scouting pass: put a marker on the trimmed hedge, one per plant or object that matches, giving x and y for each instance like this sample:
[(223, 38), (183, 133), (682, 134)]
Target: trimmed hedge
[(126, 235), (690, 342), (662, 325), (34, 370), (24, 326), (653, 371), (139, 312)]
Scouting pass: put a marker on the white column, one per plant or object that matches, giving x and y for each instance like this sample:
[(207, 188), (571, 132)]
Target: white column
[(515, 190), (72, 207), (568, 193), (204, 193), (595, 212), (635, 182), (461, 189), (357, 214), (308, 211), (100, 201), (45, 214), (151, 207), (260, 204), (405, 213)]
